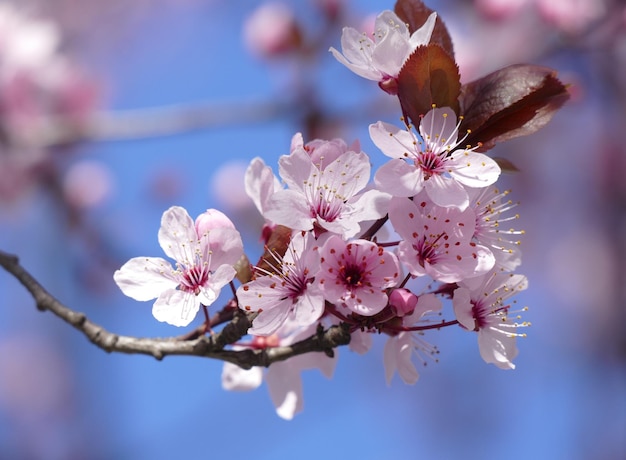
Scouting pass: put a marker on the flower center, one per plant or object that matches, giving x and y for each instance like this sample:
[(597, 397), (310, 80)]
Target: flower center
[(428, 250), (352, 275), (194, 278), (485, 314), (430, 163)]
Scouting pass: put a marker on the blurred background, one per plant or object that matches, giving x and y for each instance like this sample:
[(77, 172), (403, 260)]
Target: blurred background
[(111, 112)]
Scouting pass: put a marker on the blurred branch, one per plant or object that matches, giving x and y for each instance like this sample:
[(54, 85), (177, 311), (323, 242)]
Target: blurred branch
[(154, 122), (205, 346)]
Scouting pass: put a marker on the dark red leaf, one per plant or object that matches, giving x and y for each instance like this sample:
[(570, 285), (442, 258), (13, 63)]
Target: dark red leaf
[(276, 246), (515, 101), (429, 77), (415, 13)]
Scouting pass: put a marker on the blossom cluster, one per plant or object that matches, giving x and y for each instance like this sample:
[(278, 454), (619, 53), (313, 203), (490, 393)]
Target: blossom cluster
[(41, 91), (378, 256)]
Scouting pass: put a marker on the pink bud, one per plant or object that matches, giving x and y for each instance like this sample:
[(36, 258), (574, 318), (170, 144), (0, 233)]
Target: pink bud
[(403, 300), (211, 219)]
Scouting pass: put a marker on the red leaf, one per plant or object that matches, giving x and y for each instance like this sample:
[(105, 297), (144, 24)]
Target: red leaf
[(515, 101), (429, 77)]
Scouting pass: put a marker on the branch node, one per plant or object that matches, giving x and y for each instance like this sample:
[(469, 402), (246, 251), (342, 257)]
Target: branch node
[(109, 341), (158, 354), (78, 319)]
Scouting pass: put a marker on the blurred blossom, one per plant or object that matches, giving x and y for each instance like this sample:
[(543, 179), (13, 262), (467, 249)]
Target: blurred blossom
[(44, 98), (569, 16), (37, 85), (472, 35), (368, 24), (19, 171), (227, 186), (25, 43), (271, 30), (499, 9), (87, 183), (331, 8)]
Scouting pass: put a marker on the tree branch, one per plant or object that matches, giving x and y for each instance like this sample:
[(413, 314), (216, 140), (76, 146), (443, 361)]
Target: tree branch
[(204, 346)]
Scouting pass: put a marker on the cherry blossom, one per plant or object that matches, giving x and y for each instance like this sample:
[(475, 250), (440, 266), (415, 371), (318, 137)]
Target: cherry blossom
[(287, 289), (400, 348), (438, 241), (283, 378), (490, 207), (435, 164), (356, 274), (381, 57), (204, 264), (481, 305), (326, 197)]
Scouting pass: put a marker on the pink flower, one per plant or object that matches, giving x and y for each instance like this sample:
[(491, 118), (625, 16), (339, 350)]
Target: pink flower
[(435, 163), (287, 290), (381, 57), (490, 207), (283, 378), (356, 274), (204, 264), (325, 196), (400, 348), (481, 305), (438, 241)]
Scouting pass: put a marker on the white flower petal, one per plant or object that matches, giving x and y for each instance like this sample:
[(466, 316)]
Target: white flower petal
[(260, 183), (474, 169), (285, 387), (144, 278), (288, 208), (439, 129), (422, 35), (234, 378), (178, 236), (462, 304), (446, 192), (175, 307), (392, 141), (399, 178), (496, 348)]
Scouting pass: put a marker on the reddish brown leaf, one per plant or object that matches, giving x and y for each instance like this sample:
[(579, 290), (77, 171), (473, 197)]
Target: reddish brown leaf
[(515, 101), (276, 246), (415, 13), (430, 76), (506, 165)]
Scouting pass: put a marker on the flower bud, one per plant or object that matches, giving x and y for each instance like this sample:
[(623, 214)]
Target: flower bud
[(211, 219), (403, 300)]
